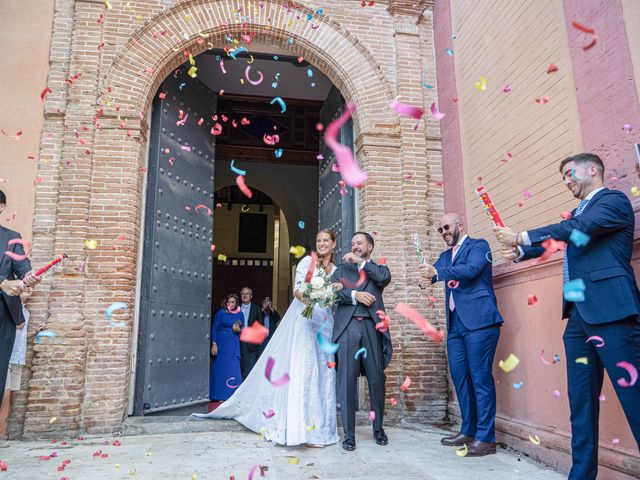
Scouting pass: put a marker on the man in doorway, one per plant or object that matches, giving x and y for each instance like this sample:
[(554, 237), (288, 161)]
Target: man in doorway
[(15, 275), (249, 352), (473, 329), (361, 346), (600, 300), (270, 318)]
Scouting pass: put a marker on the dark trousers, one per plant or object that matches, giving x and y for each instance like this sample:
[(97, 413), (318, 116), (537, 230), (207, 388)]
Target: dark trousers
[(621, 344), (470, 354), (249, 355), (7, 337), (360, 334)]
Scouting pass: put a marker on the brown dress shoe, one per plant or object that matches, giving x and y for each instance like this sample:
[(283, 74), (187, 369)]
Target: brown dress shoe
[(457, 440), (480, 449)]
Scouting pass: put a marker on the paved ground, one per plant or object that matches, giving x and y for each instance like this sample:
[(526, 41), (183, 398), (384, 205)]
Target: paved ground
[(410, 455)]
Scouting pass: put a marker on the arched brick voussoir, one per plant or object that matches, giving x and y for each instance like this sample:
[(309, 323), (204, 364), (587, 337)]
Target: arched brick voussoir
[(146, 61)]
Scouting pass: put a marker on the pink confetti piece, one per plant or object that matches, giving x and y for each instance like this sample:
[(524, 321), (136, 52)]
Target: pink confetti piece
[(437, 114), (527, 194), (590, 31), (422, 323), (532, 300), (198, 207), (222, 67), (185, 148), (283, 380), (271, 139), (335, 168), (506, 89), (255, 334), (216, 129), (453, 284), (349, 169), (269, 414), (597, 339), (383, 324), (253, 471), (626, 128), (615, 441), (372, 415), (44, 93), (393, 401), (602, 397), (543, 100), (229, 385), (407, 110), (556, 393), (253, 82), (243, 186), (552, 68), (545, 361), (405, 385), (633, 374)]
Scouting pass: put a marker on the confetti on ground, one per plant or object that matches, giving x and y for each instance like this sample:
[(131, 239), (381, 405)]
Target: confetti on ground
[(635, 191), (552, 68), (506, 88), (509, 363), (590, 31), (44, 93), (253, 471), (462, 452), (554, 361), (269, 414), (293, 460)]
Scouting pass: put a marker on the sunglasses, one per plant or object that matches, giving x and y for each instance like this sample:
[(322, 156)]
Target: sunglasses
[(446, 228)]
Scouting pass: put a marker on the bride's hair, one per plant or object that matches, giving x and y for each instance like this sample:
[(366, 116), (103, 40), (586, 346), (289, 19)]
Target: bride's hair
[(332, 235)]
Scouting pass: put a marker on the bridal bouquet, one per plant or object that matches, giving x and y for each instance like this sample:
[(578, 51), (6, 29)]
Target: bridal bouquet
[(319, 291)]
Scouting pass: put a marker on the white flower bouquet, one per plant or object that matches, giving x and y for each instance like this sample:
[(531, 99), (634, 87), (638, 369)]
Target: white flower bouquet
[(319, 291)]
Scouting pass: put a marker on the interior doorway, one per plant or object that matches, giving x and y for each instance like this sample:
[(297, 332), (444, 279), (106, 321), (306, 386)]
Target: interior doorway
[(202, 235)]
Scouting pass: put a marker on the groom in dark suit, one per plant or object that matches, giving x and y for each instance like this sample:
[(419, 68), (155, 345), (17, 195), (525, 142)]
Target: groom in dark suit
[(354, 329)]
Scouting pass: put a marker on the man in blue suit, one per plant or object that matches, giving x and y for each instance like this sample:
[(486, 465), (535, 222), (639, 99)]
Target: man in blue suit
[(602, 266), (11, 271), (473, 329)]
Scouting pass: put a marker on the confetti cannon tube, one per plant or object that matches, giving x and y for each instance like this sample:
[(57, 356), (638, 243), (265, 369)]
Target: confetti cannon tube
[(489, 207), (59, 259)]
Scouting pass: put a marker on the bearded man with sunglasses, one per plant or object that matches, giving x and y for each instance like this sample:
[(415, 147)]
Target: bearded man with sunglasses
[(473, 329)]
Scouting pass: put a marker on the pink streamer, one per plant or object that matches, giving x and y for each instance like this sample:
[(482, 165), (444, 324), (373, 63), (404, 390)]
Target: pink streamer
[(349, 169), (437, 114), (253, 470), (597, 339), (406, 110), (269, 414), (422, 323), (243, 186), (633, 374), (222, 67), (253, 82), (283, 380)]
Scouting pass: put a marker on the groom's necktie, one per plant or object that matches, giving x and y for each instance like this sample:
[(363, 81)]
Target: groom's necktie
[(565, 260), (454, 251)]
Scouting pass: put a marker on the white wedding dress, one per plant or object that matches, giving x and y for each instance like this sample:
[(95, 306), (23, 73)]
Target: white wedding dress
[(304, 409)]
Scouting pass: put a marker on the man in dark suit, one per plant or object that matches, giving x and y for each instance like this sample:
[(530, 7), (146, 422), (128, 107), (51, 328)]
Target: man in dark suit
[(249, 352), (12, 271), (270, 318), (354, 329), (473, 329), (599, 238)]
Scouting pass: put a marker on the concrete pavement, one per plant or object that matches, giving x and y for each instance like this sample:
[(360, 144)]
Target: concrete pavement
[(217, 455)]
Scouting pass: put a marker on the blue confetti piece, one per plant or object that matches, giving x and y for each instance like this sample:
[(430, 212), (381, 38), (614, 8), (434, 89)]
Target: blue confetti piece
[(309, 16), (236, 170), (556, 358), (274, 85), (278, 153), (279, 101), (301, 225), (362, 351), (319, 11), (235, 52), (290, 41), (309, 73), (573, 291), (449, 51), (518, 386), (44, 333), (578, 238), (325, 345), (427, 85), (181, 86), (276, 58)]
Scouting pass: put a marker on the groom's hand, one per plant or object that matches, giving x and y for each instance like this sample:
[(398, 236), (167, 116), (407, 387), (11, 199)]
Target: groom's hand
[(365, 298), (351, 258)]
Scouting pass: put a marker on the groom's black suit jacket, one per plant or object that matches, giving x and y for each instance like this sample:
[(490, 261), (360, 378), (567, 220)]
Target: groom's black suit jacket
[(377, 278)]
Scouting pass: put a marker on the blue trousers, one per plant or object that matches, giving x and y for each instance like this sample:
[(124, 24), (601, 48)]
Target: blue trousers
[(470, 354), (621, 343)]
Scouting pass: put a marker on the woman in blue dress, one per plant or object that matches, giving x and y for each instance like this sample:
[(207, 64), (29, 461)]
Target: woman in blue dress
[(225, 348)]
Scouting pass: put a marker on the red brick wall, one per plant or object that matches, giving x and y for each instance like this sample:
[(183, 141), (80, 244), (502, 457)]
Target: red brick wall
[(94, 190)]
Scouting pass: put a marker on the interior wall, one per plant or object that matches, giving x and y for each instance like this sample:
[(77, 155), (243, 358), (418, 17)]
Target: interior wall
[(226, 228), (24, 42)]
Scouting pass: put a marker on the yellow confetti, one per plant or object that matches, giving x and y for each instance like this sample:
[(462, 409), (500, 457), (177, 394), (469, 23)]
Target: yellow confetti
[(191, 60), (535, 439), (91, 244), (510, 363), (192, 71), (482, 84), (244, 208), (53, 420), (132, 473), (297, 250), (582, 360), (148, 454), (194, 477), (117, 465), (222, 257), (107, 4), (187, 18), (293, 460), (635, 191), (310, 428), (462, 452)]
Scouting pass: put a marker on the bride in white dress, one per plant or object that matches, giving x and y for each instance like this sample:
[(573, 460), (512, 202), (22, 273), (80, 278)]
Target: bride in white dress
[(302, 411)]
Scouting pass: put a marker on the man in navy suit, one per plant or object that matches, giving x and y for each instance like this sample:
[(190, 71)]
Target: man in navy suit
[(473, 329), (602, 266), (12, 270)]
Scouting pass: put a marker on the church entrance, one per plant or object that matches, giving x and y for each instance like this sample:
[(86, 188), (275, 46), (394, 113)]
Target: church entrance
[(237, 119)]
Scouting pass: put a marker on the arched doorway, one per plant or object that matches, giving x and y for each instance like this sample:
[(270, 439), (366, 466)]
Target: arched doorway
[(203, 135)]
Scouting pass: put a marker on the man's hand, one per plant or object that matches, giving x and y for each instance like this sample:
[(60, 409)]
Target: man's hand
[(365, 298), (214, 349), (236, 328), (351, 258), (11, 288), (337, 286), (30, 280), (506, 236), (509, 253), (427, 272)]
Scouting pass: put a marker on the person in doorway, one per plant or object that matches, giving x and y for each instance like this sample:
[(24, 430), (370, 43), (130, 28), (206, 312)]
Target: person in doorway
[(355, 331), (473, 330), (270, 318), (225, 349), (15, 275), (249, 352), (302, 409), (601, 301), (17, 361)]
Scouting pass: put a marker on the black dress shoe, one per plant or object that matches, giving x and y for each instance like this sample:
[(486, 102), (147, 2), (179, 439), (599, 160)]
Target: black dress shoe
[(480, 449), (457, 440), (349, 445), (381, 437)]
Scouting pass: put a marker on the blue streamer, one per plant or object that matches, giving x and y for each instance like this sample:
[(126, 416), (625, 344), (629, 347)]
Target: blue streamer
[(579, 238), (235, 52), (362, 351), (573, 291), (237, 170), (278, 153), (325, 345), (279, 101), (44, 333)]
